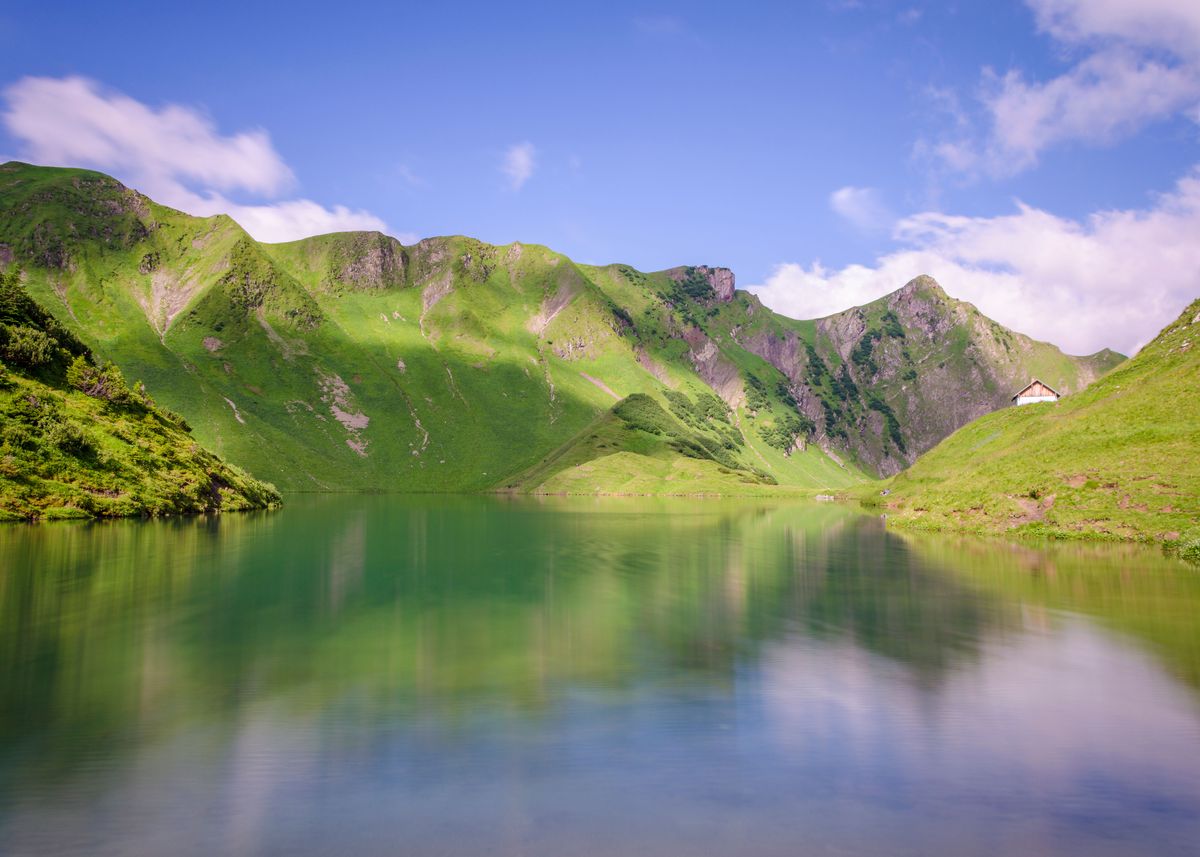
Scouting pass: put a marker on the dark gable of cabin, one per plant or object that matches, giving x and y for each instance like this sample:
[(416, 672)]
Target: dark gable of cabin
[(1036, 388)]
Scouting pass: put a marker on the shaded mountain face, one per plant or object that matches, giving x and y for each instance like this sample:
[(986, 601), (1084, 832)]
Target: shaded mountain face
[(349, 361)]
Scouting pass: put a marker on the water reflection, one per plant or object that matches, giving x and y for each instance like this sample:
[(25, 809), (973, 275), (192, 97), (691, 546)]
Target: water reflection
[(587, 677)]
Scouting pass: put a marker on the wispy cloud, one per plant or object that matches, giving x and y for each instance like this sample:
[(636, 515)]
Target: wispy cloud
[(409, 176), (1140, 63), (1108, 96), (1110, 280), (862, 207), (520, 160), (173, 153)]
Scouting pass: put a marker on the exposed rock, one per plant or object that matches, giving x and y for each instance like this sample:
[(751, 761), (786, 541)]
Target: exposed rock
[(600, 385), (169, 295), (435, 291), (367, 260), (784, 353), (428, 258), (721, 280), (236, 413), (567, 285), (718, 372), (653, 367), (337, 395), (932, 362)]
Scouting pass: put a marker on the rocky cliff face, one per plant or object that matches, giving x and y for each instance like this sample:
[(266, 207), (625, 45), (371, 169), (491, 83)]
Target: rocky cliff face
[(699, 278), (368, 260), (887, 381)]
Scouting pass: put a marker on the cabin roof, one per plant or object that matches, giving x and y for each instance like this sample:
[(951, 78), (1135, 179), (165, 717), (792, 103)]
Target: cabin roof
[(1025, 389)]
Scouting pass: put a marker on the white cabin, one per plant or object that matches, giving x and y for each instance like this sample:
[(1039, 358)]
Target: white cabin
[(1035, 391)]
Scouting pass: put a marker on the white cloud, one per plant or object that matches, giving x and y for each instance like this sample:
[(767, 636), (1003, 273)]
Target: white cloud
[(287, 220), (1108, 95), (519, 163), (1171, 24), (862, 207), (1140, 64), (174, 154), (1112, 280)]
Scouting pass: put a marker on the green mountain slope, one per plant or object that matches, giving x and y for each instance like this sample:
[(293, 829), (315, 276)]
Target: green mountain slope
[(76, 441), (638, 448), (1118, 460), (349, 361)]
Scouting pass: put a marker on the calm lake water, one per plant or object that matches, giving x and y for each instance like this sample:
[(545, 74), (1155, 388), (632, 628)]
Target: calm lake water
[(468, 676)]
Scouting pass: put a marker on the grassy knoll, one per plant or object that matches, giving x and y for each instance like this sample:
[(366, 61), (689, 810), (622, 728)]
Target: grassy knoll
[(1118, 461), (637, 447)]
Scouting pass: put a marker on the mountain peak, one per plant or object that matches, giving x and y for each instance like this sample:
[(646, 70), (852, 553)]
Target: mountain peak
[(922, 283)]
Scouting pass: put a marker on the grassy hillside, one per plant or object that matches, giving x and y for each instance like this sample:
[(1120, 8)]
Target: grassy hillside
[(638, 448), (76, 441), (1116, 461), (349, 361)]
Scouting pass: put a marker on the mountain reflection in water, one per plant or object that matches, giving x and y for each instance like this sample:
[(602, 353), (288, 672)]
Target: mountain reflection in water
[(457, 675)]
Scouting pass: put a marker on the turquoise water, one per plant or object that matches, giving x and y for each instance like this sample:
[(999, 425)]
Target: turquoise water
[(461, 676)]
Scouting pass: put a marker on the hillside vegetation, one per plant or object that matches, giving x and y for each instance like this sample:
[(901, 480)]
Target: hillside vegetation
[(76, 441), (1116, 461), (350, 361), (639, 448)]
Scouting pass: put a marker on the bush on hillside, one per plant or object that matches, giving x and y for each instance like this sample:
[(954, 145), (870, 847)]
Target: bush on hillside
[(26, 347), (1189, 545)]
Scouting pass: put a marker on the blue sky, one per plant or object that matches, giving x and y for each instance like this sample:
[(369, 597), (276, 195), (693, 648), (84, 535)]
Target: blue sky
[(825, 151)]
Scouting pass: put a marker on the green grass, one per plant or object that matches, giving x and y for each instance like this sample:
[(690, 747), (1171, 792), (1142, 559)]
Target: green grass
[(637, 447), (1117, 461), (77, 442)]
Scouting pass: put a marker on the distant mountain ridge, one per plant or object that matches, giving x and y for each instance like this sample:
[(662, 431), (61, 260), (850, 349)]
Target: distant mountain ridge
[(350, 361)]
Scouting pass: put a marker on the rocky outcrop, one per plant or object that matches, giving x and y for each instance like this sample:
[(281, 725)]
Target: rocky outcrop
[(368, 260), (715, 370), (887, 381), (719, 280)]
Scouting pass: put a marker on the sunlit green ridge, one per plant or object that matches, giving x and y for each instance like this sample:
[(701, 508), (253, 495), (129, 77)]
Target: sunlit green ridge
[(349, 361)]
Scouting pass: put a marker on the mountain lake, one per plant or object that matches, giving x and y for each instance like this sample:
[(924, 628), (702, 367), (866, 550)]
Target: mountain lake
[(459, 675)]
